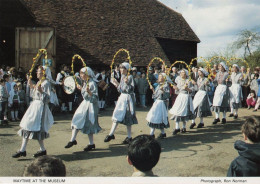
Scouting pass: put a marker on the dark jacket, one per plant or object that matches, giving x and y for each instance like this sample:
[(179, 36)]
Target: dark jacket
[(248, 163)]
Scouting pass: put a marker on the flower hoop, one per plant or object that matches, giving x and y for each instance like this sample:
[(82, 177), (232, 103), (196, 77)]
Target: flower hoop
[(36, 59), (224, 59), (128, 58), (149, 65), (196, 59), (72, 65), (181, 62)]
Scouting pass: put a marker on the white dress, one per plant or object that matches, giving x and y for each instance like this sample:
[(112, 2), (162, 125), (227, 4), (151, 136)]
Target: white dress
[(38, 118)]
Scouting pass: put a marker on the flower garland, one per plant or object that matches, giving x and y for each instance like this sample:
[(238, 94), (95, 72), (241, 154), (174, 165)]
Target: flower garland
[(224, 59), (128, 58), (196, 59), (181, 62), (72, 66), (40, 51), (149, 65)]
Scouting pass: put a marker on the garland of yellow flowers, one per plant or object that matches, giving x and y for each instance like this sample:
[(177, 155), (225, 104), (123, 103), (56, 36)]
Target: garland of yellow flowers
[(149, 65), (224, 59), (196, 59), (72, 66), (128, 58), (40, 51), (181, 62), (241, 60)]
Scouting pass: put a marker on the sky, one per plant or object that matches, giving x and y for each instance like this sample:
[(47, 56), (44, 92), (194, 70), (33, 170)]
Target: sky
[(217, 23)]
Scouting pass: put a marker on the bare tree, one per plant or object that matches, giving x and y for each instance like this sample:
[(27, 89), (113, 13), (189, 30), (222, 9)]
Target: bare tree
[(247, 39)]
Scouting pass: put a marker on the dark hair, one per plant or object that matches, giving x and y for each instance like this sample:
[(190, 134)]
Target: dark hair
[(45, 166), (251, 128), (62, 66), (6, 76), (252, 91), (256, 75), (144, 152), (2, 80)]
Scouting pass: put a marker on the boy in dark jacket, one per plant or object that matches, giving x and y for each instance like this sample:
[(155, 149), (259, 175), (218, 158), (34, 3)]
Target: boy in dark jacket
[(248, 163)]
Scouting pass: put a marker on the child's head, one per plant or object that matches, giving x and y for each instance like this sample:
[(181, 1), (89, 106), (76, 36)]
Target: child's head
[(14, 85), (20, 86), (252, 93), (144, 152), (256, 76), (251, 129), (143, 75), (45, 166), (6, 77)]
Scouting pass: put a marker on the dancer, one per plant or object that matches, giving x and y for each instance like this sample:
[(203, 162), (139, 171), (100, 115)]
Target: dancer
[(201, 101), (182, 110), (157, 117), (124, 112), (236, 91), (86, 115), (38, 119), (221, 100)]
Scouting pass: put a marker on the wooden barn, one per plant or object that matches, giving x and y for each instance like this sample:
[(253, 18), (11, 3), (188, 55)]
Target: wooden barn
[(94, 29)]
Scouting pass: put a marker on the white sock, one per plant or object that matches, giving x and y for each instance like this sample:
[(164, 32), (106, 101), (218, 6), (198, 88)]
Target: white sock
[(217, 115), (70, 106), (74, 134), (193, 121), (91, 139), (42, 148), (236, 111), (152, 131), (63, 107), (16, 114), (177, 125), (24, 144), (12, 114), (184, 124), (162, 131), (224, 114), (129, 128), (201, 119), (99, 104), (232, 110), (113, 128)]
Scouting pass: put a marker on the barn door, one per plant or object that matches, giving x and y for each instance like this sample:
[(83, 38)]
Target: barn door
[(29, 40)]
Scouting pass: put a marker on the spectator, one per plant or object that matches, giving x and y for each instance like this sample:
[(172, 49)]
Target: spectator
[(253, 84), (143, 154), (248, 161), (3, 100), (22, 97), (142, 86), (14, 102), (45, 166), (258, 96), (251, 99)]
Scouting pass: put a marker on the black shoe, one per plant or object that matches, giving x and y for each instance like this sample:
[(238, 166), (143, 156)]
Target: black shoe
[(254, 110), (70, 144), (183, 130), (175, 131), (200, 125), (19, 154), (153, 136), (224, 121), (231, 115), (216, 121), (192, 125), (235, 117), (90, 147), (109, 138), (161, 136), (40, 153), (127, 140)]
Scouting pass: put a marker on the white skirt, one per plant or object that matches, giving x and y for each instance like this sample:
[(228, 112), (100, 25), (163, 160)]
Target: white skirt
[(181, 105), (32, 118), (79, 117), (219, 94), (235, 93), (198, 98), (158, 113)]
